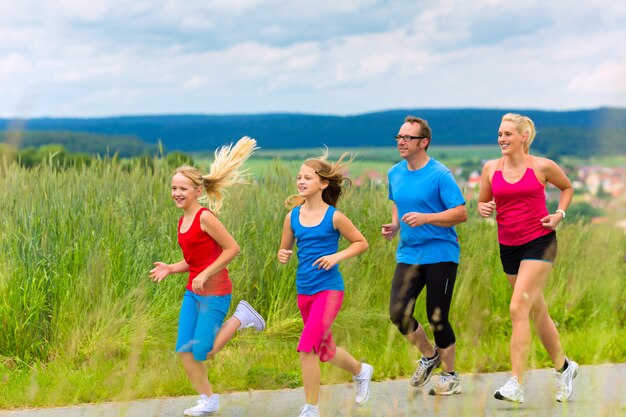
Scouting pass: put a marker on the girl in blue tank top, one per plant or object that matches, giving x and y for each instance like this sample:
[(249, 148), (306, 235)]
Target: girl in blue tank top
[(315, 226)]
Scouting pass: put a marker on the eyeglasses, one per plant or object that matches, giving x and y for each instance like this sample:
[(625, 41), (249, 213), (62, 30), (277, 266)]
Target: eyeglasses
[(408, 138)]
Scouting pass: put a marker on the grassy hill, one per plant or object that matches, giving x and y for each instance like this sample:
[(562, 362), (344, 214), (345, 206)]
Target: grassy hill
[(582, 132)]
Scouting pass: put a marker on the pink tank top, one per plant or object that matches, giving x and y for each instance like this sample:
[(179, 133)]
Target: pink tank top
[(519, 207)]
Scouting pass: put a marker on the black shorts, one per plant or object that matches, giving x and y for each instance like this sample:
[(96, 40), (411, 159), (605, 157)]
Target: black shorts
[(541, 249)]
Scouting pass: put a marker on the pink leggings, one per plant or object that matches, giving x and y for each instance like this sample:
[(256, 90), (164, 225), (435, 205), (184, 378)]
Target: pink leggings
[(318, 313)]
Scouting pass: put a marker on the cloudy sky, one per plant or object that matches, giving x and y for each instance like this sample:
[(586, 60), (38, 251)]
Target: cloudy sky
[(119, 57)]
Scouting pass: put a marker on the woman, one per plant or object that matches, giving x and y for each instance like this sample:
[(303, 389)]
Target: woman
[(514, 187)]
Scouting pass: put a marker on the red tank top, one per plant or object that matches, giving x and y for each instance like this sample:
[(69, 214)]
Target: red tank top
[(519, 207), (200, 250)]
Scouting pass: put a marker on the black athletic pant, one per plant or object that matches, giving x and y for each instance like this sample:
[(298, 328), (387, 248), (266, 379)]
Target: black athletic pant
[(408, 282)]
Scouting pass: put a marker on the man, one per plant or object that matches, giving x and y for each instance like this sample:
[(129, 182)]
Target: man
[(427, 205)]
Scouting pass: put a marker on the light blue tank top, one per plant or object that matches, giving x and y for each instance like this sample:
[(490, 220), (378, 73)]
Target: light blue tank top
[(313, 243)]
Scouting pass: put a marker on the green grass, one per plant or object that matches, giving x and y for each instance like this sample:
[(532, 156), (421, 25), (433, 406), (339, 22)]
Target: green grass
[(81, 321)]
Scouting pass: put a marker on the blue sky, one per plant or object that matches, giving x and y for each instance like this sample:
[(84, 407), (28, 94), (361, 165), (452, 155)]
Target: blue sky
[(114, 57)]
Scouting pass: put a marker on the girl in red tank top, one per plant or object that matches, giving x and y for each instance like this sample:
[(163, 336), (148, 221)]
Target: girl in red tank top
[(207, 249), (513, 187)]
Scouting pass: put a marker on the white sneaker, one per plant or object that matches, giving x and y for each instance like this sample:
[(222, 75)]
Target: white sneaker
[(249, 317), (362, 381), (309, 411), (206, 405), (447, 384), (511, 391), (564, 381)]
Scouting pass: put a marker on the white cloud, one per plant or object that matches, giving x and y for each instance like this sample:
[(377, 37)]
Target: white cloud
[(231, 56), (607, 79)]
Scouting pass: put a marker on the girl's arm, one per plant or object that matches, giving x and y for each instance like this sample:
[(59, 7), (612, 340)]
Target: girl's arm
[(347, 229), (555, 176), (214, 228), (486, 205), (162, 270), (287, 240)]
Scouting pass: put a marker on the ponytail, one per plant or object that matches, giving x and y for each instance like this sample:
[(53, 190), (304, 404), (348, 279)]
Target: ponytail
[(224, 171)]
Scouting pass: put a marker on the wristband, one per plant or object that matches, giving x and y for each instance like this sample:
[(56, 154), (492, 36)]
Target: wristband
[(561, 211)]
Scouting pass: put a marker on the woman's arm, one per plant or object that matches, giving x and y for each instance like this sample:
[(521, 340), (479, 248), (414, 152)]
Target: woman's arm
[(486, 205), (555, 176)]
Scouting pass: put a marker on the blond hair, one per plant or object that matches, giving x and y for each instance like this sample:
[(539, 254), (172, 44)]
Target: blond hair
[(224, 171), (333, 172), (523, 125)]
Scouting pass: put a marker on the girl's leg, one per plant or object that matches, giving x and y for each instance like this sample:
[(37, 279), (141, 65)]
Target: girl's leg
[(212, 310), (245, 316), (318, 313), (527, 287), (226, 333), (197, 373), (344, 360), (310, 376), (547, 332)]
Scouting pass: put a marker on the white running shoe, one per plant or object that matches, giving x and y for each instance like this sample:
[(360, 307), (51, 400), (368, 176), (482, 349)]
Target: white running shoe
[(425, 368), (309, 411), (511, 391), (447, 384), (564, 381), (248, 317), (206, 405), (362, 381)]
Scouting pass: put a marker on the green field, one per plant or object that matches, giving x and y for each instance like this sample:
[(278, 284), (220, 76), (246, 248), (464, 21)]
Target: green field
[(367, 159), (81, 321)]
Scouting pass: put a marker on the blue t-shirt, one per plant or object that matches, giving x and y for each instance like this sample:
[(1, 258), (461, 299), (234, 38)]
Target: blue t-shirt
[(313, 243), (431, 189)]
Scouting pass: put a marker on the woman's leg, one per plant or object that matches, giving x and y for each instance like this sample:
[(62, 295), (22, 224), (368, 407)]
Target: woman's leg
[(547, 332), (527, 289)]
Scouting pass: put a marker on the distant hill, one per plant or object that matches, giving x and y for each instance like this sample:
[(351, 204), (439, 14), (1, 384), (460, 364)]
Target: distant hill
[(581, 132), (79, 142)]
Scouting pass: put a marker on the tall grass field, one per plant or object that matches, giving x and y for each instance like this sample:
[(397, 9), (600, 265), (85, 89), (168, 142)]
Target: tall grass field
[(82, 322)]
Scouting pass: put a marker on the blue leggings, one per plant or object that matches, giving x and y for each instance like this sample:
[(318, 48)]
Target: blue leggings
[(201, 317)]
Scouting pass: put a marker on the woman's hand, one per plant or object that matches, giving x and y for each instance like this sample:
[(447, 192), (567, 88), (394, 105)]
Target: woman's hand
[(551, 221), (486, 209)]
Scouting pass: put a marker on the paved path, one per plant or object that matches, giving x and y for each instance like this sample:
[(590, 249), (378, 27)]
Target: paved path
[(599, 391)]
